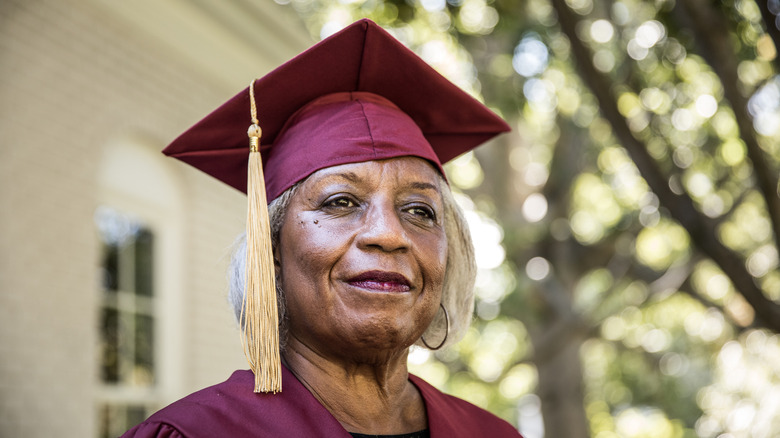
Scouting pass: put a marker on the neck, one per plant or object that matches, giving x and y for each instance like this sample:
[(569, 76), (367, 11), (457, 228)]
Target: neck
[(371, 398)]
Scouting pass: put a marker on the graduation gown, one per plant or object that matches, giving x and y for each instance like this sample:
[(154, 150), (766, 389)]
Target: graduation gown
[(231, 409)]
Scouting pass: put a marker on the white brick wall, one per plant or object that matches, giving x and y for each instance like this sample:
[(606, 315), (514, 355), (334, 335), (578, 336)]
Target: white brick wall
[(75, 77)]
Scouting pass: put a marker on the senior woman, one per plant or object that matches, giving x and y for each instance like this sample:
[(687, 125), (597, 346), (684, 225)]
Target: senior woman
[(369, 251)]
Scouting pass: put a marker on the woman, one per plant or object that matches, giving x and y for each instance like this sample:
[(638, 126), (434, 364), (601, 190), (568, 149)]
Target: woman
[(369, 250)]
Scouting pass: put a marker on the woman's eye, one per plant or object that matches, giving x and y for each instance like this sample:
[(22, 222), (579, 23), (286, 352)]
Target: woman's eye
[(424, 212), (340, 202)]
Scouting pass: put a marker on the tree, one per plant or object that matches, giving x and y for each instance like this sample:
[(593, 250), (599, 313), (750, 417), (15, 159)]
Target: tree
[(638, 201)]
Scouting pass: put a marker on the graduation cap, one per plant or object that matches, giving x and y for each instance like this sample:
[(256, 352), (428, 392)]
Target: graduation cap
[(359, 95)]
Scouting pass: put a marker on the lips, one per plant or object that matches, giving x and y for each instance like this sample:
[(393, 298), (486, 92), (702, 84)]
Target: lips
[(381, 281)]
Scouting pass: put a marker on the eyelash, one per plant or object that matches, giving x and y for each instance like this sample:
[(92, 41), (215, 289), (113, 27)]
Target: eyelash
[(337, 202), (427, 212)]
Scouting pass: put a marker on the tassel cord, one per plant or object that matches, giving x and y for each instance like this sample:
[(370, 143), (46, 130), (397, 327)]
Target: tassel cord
[(259, 316)]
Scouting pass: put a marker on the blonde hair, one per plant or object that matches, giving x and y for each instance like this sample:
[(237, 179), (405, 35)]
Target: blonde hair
[(459, 275)]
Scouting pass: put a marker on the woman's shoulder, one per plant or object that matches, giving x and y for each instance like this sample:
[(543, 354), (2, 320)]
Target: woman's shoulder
[(455, 417), (231, 408), (197, 411)]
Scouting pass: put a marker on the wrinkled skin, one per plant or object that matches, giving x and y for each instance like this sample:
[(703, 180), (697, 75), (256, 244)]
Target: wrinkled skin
[(362, 254)]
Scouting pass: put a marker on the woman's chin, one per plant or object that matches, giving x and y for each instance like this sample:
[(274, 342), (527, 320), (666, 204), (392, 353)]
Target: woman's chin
[(369, 344), (376, 356)]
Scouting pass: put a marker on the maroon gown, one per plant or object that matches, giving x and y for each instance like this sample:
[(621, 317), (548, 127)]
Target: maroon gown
[(231, 409)]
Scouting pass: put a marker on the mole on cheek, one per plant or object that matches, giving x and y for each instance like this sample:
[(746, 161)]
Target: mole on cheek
[(316, 221)]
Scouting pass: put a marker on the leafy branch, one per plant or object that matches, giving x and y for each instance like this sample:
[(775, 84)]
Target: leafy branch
[(701, 228)]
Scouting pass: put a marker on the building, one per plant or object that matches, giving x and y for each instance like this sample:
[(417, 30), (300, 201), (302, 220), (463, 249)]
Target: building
[(112, 257)]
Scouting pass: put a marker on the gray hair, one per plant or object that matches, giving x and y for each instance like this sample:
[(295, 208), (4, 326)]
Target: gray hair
[(459, 275)]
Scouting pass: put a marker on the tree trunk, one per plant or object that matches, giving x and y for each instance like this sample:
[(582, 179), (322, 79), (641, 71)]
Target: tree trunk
[(561, 392), (557, 331)]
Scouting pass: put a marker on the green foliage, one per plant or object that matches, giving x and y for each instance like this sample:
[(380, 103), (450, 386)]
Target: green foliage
[(580, 251)]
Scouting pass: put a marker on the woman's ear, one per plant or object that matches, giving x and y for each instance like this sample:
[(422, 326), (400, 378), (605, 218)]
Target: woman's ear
[(277, 265)]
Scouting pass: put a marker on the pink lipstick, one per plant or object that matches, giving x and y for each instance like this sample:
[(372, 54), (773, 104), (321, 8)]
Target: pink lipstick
[(381, 281)]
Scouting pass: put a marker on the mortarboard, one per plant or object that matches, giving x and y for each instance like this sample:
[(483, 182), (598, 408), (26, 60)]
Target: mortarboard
[(361, 58), (359, 95)]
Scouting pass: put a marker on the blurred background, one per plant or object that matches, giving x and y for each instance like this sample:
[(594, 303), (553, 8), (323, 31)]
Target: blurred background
[(627, 230)]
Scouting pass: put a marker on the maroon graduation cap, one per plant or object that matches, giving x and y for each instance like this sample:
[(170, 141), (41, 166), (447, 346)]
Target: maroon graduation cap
[(390, 103)]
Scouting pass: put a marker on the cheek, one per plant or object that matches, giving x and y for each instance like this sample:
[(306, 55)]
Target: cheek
[(308, 253), (301, 269), (299, 252), (434, 260)]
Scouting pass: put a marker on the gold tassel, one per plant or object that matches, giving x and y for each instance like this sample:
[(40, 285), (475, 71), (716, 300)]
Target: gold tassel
[(260, 337)]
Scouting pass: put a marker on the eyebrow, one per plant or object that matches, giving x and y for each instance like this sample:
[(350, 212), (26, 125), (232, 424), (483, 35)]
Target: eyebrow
[(424, 186), (349, 176)]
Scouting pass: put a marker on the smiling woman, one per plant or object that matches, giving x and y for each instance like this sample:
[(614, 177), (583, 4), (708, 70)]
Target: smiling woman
[(371, 254), (366, 278)]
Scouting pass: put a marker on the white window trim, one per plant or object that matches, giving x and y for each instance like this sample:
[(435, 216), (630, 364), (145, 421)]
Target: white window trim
[(135, 179)]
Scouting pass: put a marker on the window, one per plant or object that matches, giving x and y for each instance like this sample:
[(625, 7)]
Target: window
[(127, 321), (139, 283)]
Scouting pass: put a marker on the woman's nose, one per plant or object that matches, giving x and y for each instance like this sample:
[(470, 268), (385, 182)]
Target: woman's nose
[(383, 230)]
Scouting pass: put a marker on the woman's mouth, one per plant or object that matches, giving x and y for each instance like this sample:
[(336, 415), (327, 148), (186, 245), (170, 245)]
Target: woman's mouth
[(380, 281)]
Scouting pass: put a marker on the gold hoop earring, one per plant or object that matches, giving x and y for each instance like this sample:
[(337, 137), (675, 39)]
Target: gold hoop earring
[(446, 333)]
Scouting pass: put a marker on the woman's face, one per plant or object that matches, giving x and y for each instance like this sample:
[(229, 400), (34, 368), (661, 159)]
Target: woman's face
[(362, 253)]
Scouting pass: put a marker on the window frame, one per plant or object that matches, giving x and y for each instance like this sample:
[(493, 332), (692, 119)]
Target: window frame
[(134, 178)]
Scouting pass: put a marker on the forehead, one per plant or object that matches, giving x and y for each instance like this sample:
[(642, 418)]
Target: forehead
[(404, 172)]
